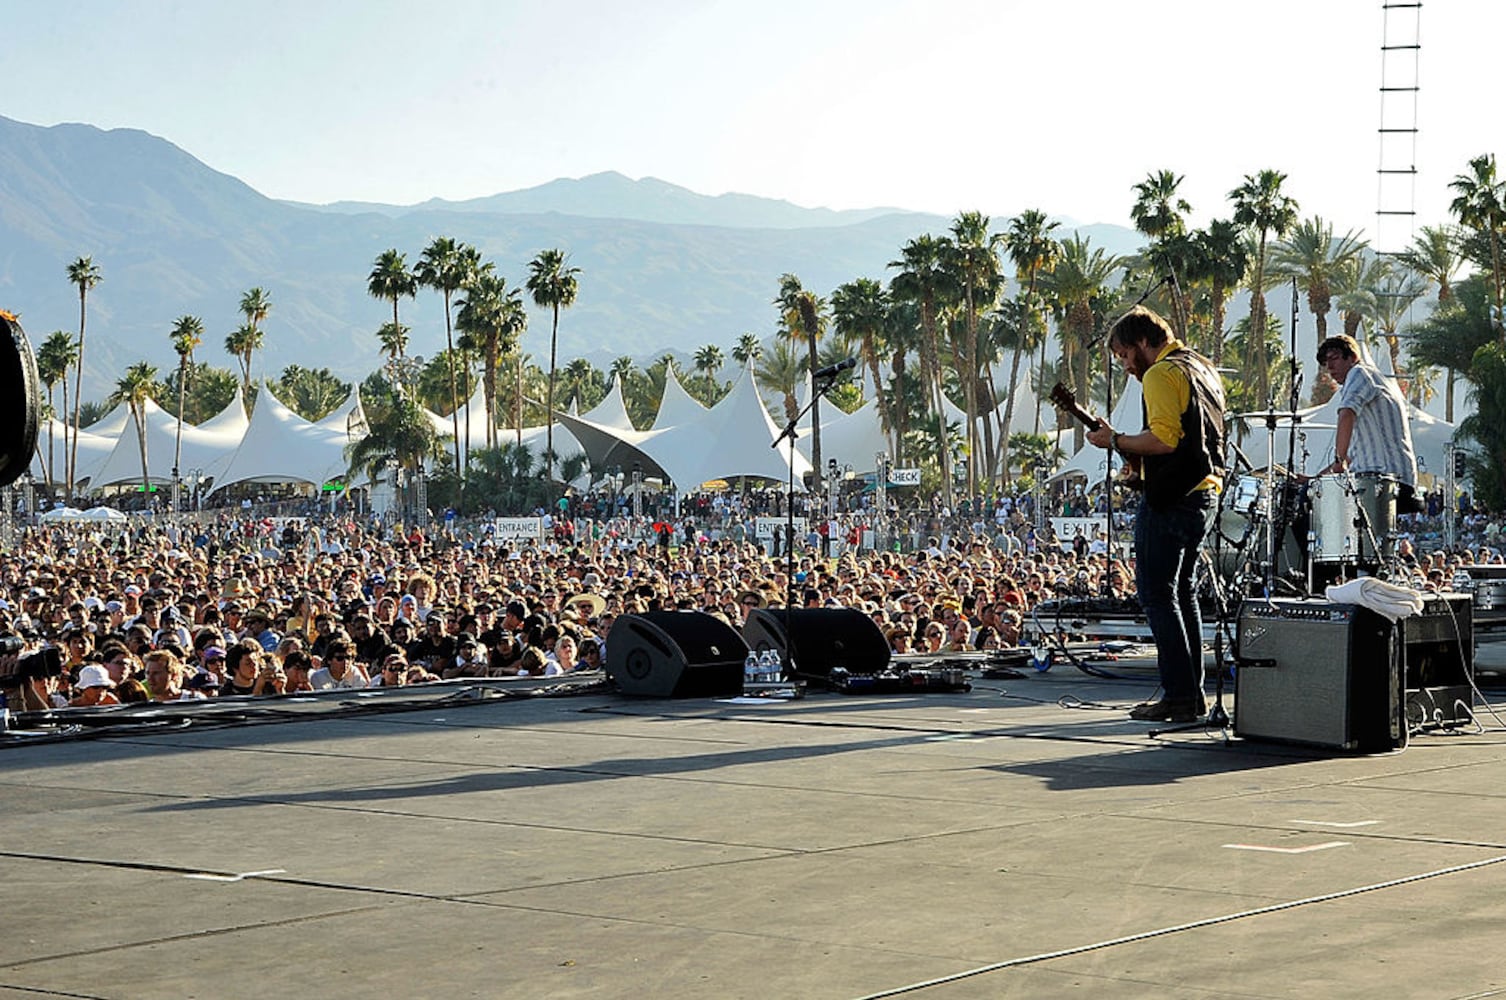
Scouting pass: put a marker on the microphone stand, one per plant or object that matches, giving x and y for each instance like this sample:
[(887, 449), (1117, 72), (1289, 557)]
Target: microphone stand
[(819, 387)]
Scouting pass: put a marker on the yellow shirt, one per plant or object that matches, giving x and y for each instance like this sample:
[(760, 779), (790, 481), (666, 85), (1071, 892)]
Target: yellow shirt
[(1167, 394)]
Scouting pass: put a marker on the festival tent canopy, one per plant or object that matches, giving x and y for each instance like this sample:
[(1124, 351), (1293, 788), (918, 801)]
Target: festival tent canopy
[(348, 417), (611, 411), (732, 439), (282, 447), (93, 449), (676, 407), (207, 451), (231, 420), (111, 424)]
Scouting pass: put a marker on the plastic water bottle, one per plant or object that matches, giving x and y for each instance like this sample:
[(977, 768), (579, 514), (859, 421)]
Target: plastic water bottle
[(771, 666), (750, 669)]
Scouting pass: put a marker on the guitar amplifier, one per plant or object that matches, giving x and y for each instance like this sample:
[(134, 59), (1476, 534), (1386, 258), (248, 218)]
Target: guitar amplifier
[(1318, 673), (1438, 653)]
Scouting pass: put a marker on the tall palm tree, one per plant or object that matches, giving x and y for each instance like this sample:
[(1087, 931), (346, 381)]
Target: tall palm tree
[(394, 339), (802, 317), (84, 274), (925, 280), (57, 354), (493, 314), (553, 283), (400, 434), (1078, 289), (390, 279), (1033, 251), (242, 344), (1451, 335), (1262, 208), (446, 266), (187, 334), (1480, 204), (1221, 261), (134, 388), (781, 371), (858, 310), (974, 260), (747, 349), (1394, 295), (1434, 257), (1311, 254), (1159, 211), (256, 303)]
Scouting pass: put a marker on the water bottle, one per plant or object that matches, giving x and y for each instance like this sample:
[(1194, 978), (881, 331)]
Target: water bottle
[(750, 669), (772, 669)]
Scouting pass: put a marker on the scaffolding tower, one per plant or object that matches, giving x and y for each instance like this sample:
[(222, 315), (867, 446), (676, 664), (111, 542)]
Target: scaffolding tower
[(1396, 203)]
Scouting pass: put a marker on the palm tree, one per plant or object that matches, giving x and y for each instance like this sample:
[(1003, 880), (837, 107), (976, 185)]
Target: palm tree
[(1434, 256), (1453, 333), (242, 345), (974, 260), (394, 339), (446, 267), (1261, 207), (400, 434), (1221, 260), (1394, 295), (553, 283), (1077, 288), (925, 280), (1480, 204), (84, 273), (391, 279), (1159, 211), (802, 316), (134, 388), (781, 371), (1310, 254), (57, 354), (858, 310), (187, 334), (493, 314), (255, 304), (1034, 252), (747, 349)]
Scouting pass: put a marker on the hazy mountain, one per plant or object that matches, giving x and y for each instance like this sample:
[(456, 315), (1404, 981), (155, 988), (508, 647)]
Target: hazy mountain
[(172, 236)]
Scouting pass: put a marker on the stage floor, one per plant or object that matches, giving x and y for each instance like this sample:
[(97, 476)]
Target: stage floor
[(979, 845)]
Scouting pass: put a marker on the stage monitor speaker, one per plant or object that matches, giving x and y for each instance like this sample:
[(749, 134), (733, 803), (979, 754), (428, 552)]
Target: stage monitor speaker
[(820, 639), (1317, 673), (675, 654), (20, 400)]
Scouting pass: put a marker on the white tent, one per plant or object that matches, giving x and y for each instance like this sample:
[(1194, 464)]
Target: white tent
[(205, 450), (93, 449), (111, 424), (280, 446), (676, 407), (231, 420), (733, 438), (349, 416), (611, 411), (62, 514)]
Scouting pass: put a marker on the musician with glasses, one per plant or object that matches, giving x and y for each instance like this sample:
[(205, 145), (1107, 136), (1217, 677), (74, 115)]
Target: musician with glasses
[(1180, 455)]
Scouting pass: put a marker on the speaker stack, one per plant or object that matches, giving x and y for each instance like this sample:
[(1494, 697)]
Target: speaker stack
[(675, 654), (819, 641)]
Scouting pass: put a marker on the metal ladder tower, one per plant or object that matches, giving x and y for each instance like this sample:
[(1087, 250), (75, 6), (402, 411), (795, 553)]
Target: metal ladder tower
[(1396, 201)]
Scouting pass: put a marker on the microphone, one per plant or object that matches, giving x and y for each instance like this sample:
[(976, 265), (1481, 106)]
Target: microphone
[(832, 371)]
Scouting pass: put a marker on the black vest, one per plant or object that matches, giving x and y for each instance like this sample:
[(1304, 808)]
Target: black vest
[(1200, 452)]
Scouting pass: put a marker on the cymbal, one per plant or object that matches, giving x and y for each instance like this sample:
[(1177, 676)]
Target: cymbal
[(1265, 414)]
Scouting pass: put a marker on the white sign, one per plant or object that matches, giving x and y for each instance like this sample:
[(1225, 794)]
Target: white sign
[(763, 527), (530, 528), (904, 477)]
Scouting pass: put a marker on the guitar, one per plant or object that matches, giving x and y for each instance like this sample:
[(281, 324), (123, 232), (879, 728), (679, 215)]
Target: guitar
[(1063, 398)]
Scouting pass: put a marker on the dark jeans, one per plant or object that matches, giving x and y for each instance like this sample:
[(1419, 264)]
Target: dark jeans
[(1166, 547)]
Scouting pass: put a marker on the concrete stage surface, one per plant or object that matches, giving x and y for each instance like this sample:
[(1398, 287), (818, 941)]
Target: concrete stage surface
[(941, 846)]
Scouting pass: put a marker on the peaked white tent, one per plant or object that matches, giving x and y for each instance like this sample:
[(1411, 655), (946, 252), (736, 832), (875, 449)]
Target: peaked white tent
[(349, 416), (231, 420), (207, 450), (611, 411), (93, 449), (280, 446), (111, 424), (676, 408), (733, 438)]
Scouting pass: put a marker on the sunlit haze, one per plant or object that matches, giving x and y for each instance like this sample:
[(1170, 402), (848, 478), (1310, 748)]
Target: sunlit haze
[(935, 105)]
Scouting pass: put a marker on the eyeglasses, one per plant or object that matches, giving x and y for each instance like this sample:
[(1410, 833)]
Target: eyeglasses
[(338, 658)]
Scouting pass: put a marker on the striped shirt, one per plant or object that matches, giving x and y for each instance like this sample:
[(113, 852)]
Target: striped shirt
[(1382, 439)]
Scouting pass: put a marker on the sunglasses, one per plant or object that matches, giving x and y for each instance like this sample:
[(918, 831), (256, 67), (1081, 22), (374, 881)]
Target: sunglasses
[(339, 659)]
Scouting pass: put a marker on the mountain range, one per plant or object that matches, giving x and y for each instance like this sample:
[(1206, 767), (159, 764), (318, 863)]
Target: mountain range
[(662, 268)]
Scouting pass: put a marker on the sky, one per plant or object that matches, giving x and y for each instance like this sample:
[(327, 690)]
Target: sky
[(931, 105)]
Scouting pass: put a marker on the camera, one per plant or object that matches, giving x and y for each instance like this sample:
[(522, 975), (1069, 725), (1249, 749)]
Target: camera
[(47, 662)]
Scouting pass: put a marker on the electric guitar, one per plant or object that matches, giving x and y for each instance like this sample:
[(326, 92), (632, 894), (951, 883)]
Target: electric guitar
[(1063, 398)]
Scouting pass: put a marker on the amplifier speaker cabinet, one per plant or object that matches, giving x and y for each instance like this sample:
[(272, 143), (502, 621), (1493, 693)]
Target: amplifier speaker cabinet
[(675, 654), (1318, 673), (820, 640), (1439, 653)]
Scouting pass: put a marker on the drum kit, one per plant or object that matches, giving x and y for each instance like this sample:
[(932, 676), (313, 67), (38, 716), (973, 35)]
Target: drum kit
[(1283, 533)]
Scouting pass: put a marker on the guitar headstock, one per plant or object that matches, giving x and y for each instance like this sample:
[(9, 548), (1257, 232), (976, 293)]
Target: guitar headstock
[(1063, 397)]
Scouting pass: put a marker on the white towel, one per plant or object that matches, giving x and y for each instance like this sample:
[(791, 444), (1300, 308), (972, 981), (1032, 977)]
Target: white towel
[(1383, 598)]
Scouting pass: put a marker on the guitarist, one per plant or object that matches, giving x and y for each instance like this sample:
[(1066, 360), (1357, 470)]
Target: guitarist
[(1180, 451)]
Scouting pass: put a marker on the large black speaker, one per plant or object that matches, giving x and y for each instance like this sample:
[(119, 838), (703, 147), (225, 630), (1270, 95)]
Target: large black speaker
[(820, 639), (675, 654), (1318, 673), (20, 400), (1438, 654)]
